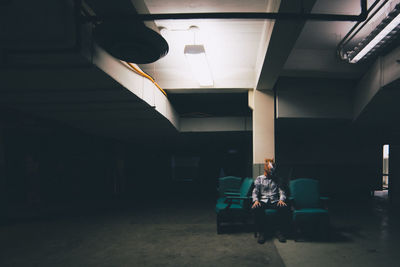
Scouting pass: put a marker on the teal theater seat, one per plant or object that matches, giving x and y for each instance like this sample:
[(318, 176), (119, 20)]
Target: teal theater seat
[(229, 185), (234, 207), (308, 209)]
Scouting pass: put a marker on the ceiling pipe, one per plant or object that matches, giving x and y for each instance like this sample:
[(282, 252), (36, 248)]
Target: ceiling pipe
[(239, 15)]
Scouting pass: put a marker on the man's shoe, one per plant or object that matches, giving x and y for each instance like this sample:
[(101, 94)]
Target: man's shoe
[(261, 238), (281, 237)]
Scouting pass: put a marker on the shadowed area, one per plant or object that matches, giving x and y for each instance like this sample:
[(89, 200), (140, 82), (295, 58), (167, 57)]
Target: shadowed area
[(363, 234), (157, 234)]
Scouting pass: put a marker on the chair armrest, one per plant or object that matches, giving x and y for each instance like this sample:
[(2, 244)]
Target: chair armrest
[(227, 194), (237, 197), (232, 190), (229, 200)]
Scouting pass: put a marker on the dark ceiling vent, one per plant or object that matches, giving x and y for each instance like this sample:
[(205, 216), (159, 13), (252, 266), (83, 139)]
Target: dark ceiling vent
[(131, 41)]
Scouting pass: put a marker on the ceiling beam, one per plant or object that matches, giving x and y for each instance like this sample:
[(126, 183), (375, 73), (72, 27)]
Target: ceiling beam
[(83, 106), (140, 86), (67, 98), (141, 8), (279, 40), (56, 79), (299, 14)]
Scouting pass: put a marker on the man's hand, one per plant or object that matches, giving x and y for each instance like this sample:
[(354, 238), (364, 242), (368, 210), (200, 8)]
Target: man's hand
[(281, 203), (256, 204)]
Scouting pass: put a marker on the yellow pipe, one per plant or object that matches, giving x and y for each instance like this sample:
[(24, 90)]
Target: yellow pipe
[(141, 73)]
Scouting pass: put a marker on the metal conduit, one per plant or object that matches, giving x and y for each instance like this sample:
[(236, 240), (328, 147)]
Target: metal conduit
[(239, 15)]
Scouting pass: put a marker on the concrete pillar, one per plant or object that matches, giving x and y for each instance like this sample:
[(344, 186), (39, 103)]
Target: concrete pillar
[(262, 103)]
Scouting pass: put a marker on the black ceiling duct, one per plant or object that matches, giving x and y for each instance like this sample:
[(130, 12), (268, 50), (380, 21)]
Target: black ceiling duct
[(131, 41)]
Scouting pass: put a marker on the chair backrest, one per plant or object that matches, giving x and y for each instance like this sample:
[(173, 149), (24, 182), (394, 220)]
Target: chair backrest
[(305, 193), (245, 188), (229, 183)]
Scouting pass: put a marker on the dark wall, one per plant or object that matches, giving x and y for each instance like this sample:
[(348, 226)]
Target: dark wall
[(345, 160), (46, 163), (218, 154), (49, 162), (211, 104)]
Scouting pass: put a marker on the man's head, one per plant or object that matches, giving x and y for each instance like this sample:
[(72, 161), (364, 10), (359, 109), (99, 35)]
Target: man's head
[(269, 166)]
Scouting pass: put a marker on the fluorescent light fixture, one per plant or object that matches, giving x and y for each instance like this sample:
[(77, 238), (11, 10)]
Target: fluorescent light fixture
[(196, 56), (382, 34)]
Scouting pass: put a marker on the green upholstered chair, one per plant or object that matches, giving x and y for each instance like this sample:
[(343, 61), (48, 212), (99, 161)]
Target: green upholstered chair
[(229, 185), (308, 205), (232, 208)]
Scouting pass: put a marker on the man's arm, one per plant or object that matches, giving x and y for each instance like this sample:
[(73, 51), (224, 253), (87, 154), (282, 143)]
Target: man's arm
[(256, 190), (256, 193), (282, 195)]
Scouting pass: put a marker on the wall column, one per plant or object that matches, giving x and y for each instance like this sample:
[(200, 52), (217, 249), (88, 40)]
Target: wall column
[(262, 103)]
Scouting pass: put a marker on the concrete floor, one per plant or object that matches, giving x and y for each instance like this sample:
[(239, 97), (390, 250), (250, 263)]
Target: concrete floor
[(183, 234), (364, 234), (173, 234)]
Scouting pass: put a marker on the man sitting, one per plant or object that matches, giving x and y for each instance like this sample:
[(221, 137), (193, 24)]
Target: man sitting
[(268, 194)]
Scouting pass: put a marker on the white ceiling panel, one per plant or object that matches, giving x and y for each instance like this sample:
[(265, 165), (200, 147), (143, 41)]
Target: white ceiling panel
[(231, 45)]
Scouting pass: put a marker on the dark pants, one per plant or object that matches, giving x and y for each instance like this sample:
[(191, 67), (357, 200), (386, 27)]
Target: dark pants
[(278, 221)]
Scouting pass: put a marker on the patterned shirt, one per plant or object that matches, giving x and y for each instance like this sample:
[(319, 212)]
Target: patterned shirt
[(267, 190)]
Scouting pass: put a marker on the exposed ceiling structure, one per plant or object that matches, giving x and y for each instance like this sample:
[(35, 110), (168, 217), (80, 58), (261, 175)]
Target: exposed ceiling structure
[(83, 98), (235, 48), (232, 46), (43, 73), (314, 53)]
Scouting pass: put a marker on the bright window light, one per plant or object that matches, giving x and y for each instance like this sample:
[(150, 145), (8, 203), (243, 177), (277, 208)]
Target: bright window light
[(386, 151), (196, 56), (393, 24)]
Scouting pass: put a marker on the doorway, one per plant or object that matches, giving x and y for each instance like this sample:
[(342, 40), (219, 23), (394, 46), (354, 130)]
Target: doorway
[(385, 168), (384, 192)]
